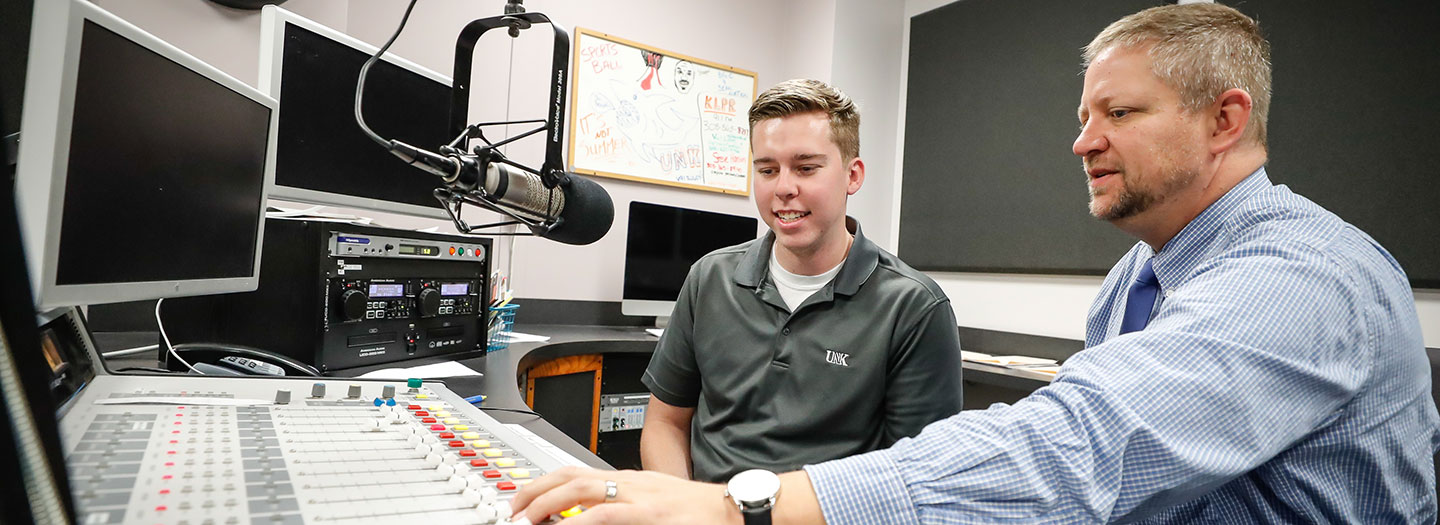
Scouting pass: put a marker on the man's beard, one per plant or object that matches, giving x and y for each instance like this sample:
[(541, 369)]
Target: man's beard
[(1135, 199)]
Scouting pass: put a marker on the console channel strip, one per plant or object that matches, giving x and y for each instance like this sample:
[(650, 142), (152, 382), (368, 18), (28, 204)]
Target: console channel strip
[(191, 450)]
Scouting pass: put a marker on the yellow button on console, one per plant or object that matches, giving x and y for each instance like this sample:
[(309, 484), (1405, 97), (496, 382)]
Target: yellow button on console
[(451, 421), (469, 435), (442, 414), (421, 396), (505, 462), (461, 427), (480, 443), (491, 452)]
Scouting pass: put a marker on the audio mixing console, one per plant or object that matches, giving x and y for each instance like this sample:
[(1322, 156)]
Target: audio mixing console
[(243, 450)]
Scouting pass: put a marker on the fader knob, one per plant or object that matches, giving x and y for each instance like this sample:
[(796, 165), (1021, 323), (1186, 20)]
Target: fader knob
[(354, 392), (317, 390), (282, 397), (429, 302), (354, 302), (388, 392)]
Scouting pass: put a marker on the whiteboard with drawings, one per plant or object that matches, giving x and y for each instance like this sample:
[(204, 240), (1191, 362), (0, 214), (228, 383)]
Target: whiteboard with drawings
[(649, 115)]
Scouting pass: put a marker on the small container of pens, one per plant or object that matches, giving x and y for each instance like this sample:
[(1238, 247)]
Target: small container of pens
[(502, 322)]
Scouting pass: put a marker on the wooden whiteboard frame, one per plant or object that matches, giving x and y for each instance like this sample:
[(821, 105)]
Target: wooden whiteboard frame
[(574, 105)]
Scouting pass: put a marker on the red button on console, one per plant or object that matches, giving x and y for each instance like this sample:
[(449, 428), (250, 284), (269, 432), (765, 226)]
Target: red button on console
[(421, 413), (412, 407), (437, 427), (505, 486), (469, 454), (491, 474), (477, 463), (447, 435), (457, 444), (427, 420)]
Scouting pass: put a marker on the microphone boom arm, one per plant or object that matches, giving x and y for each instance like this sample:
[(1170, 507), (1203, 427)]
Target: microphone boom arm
[(553, 170)]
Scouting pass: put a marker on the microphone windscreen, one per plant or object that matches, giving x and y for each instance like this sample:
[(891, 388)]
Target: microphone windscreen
[(587, 215)]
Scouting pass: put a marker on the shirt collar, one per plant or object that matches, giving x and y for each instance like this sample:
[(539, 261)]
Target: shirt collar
[(1179, 256), (863, 258)]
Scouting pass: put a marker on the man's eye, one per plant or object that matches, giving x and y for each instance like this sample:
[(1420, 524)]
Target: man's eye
[(766, 171), (1119, 113), (808, 169)]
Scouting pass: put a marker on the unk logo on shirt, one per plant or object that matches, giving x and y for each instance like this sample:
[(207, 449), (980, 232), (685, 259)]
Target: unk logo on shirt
[(836, 358)]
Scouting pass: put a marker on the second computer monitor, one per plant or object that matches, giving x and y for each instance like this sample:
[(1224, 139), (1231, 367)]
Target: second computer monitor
[(661, 244), (323, 157)]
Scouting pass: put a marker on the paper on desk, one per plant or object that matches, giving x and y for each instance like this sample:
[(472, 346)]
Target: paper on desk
[(437, 370), (1016, 360), (517, 337), (973, 356)]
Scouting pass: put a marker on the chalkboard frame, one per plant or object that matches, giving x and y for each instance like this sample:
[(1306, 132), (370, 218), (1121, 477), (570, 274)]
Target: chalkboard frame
[(577, 88)]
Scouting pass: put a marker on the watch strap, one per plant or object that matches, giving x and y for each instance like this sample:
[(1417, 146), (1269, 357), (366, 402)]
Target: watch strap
[(756, 516)]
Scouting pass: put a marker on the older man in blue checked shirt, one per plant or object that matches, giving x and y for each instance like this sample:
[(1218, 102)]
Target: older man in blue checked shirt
[(1254, 359)]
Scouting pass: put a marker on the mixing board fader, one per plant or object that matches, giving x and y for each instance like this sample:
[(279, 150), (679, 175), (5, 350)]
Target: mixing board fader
[(262, 451)]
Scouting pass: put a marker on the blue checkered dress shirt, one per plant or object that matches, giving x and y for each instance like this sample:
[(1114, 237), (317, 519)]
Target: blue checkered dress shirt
[(1282, 379)]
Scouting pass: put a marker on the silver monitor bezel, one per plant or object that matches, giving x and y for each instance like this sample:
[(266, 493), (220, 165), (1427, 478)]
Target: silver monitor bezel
[(49, 103), (272, 63)]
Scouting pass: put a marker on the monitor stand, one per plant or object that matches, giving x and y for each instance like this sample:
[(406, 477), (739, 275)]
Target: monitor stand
[(661, 321)]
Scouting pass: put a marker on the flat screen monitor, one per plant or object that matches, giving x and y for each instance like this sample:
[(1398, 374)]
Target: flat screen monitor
[(660, 245), (322, 155), (143, 171)]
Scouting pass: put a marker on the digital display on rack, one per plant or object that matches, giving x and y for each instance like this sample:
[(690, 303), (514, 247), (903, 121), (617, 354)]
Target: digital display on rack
[(412, 249), (387, 290), (454, 288)]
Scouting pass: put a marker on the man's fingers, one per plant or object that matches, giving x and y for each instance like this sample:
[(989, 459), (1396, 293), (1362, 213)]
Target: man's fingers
[(547, 483), (608, 514), (588, 491)]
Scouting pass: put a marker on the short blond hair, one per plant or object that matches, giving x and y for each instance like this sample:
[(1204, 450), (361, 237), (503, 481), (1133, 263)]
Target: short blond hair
[(793, 97), (1200, 50)]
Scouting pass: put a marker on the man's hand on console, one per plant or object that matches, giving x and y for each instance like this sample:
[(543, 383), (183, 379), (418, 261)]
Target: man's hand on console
[(624, 497)]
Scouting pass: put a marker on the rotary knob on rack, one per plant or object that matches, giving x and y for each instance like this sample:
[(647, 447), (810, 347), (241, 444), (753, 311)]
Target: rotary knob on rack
[(429, 302), (354, 303)]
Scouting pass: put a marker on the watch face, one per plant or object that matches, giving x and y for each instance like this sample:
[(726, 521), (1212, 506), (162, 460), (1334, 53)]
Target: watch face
[(754, 486)]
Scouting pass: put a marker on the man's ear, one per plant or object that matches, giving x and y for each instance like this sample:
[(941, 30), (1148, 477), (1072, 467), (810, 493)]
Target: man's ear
[(856, 176), (1231, 117)]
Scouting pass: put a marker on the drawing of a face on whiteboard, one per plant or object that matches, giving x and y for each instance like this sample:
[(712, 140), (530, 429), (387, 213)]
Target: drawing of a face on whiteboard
[(684, 76)]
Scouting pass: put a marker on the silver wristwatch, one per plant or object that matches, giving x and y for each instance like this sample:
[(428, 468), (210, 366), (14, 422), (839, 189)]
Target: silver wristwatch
[(754, 492)]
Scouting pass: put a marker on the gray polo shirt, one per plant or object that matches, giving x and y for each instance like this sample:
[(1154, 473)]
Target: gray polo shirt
[(872, 357)]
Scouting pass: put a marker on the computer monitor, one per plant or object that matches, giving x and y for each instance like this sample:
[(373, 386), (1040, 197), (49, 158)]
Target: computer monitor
[(323, 156), (661, 244), (143, 171)]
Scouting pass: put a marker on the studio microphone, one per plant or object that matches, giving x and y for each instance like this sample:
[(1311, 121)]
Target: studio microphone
[(577, 211)]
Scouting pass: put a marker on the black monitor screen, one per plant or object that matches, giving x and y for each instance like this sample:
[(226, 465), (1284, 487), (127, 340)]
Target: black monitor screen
[(152, 140), (663, 242), (321, 148)]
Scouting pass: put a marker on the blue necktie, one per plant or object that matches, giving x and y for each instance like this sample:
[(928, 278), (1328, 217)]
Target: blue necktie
[(1141, 300)]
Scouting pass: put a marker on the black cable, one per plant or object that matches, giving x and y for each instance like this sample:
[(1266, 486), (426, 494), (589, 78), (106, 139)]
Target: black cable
[(514, 410), (365, 69)]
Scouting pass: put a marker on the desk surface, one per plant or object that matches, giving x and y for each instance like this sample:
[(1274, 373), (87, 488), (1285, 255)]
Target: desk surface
[(501, 371), (500, 379)]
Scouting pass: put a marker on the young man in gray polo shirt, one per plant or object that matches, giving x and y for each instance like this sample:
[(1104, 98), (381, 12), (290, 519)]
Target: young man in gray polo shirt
[(810, 343)]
